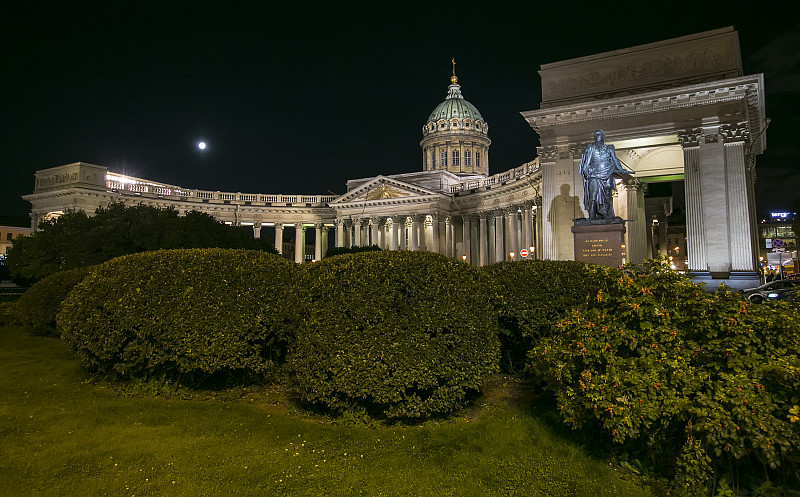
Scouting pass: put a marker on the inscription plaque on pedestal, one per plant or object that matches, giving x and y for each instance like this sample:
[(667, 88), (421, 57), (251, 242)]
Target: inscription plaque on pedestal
[(599, 243)]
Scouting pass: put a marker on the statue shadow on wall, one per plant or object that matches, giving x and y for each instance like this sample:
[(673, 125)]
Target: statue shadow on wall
[(563, 209)]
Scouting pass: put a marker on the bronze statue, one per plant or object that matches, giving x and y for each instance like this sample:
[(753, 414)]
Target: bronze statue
[(598, 165)]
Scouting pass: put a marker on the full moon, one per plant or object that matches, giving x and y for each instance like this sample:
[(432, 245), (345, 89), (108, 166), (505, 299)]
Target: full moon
[(201, 145)]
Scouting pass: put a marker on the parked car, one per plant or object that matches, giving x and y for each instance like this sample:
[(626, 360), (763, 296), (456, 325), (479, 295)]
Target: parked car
[(774, 290)]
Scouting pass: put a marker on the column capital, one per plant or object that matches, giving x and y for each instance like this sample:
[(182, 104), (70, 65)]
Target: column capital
[(548, 153), (732, 133), (630, 183), (690, 137), (299, 226), (501, 212)]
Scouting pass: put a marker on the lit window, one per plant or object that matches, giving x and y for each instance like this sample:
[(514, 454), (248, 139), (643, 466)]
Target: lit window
[(456, 158), (467, 158)]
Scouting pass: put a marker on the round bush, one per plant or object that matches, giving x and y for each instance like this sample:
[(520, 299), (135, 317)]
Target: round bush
[(394, 334), (185, 314), (37, 308), (536, 296)]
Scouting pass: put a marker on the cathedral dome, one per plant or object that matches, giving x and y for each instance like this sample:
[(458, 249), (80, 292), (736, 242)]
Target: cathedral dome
[(455, 138), (455, 106)]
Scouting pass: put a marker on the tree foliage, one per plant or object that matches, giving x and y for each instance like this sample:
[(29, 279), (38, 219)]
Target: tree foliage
[(77, 239)]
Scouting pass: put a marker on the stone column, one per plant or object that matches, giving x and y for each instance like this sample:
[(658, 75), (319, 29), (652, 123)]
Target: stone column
[(483, 244), (318, 241), (448, 237), (525, 225), (562, 199), (422, 225), (490, 239), (395, 244), (324, 241), (299, 243), (537, 228), (499, 236), (402, 230), (414, 233), (467, 235), (741, 224), (511, 233), (257, 230), (279, 237), (434, 238), (357, 236), (695, 233), (374, 223), (339, 233), (631, 201)]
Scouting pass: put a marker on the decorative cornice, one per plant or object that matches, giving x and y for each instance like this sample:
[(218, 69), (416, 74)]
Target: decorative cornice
[(729, 90)]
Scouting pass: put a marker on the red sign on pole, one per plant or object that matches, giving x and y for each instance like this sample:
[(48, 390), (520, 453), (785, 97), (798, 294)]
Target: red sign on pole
[(523, 253)]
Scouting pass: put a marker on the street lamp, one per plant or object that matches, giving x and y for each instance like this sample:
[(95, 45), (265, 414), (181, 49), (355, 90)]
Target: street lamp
[(512, 255), (464, 257)]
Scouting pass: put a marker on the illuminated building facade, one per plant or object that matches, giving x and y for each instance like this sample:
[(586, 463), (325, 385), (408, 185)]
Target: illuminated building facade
[(676, 110)]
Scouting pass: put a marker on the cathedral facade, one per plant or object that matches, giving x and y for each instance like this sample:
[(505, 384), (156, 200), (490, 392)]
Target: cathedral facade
[(676, 110)]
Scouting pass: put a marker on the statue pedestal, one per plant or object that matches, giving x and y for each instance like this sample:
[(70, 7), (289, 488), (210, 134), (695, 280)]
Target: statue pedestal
[(600, 241)]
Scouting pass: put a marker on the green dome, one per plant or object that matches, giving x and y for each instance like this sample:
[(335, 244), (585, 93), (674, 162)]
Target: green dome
[(454, 106)]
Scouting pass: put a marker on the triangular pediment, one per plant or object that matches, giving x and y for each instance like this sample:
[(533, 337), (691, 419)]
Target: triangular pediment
[(383, 188)]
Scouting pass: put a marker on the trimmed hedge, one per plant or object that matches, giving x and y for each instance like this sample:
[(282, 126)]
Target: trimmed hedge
[(332, 251), (38, 306), (536, 296), (394, 334), (184, 314)]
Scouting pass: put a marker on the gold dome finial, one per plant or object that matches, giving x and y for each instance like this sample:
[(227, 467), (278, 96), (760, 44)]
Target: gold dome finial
[(454, 78)]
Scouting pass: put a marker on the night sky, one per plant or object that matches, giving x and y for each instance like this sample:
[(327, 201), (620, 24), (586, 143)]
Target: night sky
[(300, 98)]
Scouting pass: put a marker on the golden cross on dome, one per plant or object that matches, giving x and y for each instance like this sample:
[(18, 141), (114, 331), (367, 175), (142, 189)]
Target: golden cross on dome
[(454, 79)]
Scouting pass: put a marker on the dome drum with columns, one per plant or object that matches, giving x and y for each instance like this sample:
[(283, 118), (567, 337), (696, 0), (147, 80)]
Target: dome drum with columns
[(665, 127)]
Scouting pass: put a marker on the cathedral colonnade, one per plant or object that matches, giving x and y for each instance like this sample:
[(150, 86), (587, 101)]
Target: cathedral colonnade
[(480, 239)]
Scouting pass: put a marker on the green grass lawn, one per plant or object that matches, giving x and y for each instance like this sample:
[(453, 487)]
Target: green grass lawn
[(62, 435)]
